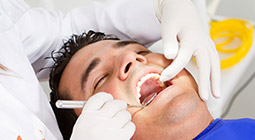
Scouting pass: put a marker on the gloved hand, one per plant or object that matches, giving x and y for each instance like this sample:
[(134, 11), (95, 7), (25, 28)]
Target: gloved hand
[(103, 118), (180, 22)]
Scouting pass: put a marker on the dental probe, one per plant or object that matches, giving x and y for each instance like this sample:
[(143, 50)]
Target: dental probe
[(70, 104)]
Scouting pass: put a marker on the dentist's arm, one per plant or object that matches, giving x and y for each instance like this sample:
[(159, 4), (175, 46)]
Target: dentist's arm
[(103, 118), (184, 35)]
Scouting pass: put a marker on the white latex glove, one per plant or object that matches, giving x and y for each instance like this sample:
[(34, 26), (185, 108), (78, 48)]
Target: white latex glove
[(180, 19), (103, 118)]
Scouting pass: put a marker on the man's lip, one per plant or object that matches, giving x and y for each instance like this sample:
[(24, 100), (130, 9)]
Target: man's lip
[(140, 75)]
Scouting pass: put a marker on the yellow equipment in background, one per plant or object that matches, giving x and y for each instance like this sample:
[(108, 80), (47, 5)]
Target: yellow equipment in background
[(228, 30)]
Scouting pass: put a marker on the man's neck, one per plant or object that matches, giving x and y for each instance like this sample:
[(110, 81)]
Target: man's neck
[(190, 127)]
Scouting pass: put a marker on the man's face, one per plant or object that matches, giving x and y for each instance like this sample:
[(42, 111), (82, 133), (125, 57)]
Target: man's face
[(123, 69)]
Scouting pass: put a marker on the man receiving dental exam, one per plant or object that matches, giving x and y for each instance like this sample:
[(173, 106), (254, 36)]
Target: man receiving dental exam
[(101, 68), (28, 35)]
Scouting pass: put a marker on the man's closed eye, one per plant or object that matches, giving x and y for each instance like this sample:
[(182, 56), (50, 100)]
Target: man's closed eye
[(100, 81)]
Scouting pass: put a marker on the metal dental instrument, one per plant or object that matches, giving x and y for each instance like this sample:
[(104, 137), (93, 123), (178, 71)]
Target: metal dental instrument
[(70, 104), (148, 99)]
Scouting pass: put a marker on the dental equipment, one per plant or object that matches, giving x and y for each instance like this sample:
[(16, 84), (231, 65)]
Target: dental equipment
[(232, 29), (70, 104)]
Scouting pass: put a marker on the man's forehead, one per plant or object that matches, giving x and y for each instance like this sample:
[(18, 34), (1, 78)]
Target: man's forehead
[(124, 43), (93, 48)]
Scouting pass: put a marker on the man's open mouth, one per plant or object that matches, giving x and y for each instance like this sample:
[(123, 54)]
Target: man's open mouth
[(150, 84)]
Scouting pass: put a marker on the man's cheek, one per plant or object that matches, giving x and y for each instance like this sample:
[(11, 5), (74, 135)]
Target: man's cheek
[(158, 59), (108, 89)]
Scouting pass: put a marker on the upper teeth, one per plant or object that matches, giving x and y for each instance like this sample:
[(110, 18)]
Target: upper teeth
[(146, 77)]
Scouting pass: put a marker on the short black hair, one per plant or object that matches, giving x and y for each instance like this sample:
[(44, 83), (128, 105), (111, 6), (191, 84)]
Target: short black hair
[(66, 118)]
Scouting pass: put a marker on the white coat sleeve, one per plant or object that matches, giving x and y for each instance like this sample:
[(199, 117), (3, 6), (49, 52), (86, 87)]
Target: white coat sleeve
[(43, 31)]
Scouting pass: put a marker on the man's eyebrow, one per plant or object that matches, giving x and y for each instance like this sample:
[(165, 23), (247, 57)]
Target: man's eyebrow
[(124, 43), (86, 73)]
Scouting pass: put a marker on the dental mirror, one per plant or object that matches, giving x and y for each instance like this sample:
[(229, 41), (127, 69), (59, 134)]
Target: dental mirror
[(148, 99)]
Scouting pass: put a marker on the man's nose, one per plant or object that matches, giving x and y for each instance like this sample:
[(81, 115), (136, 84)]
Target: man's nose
[(127, 62)]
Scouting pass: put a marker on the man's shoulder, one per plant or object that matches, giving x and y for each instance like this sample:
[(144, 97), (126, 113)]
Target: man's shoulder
[(233, 129), (246, 121), (237, 127)]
